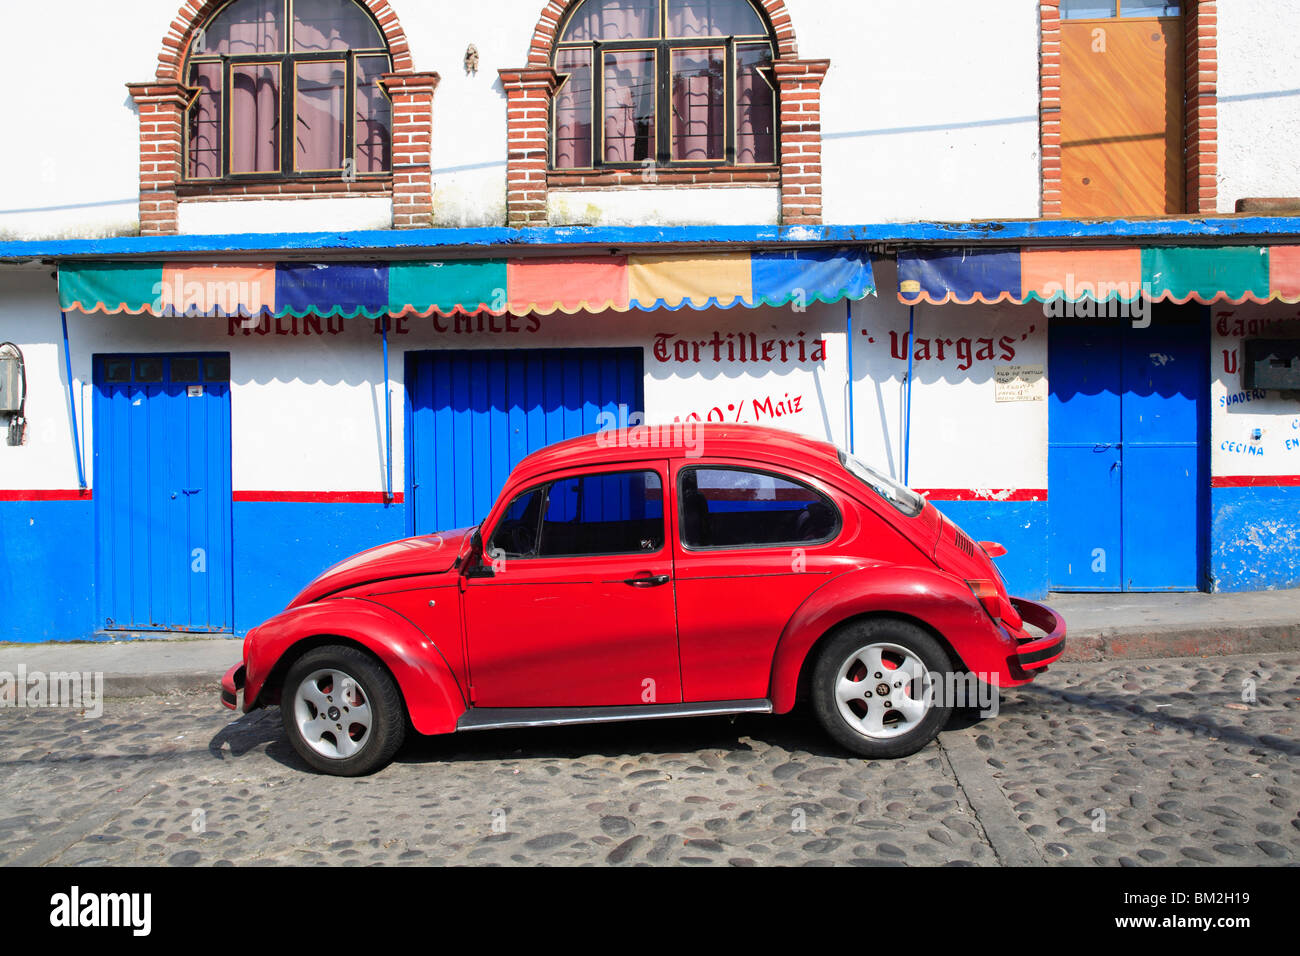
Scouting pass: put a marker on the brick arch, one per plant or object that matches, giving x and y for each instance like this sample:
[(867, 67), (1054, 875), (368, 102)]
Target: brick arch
[(529, 91), (194, 13), (162, 103), (539, 51)]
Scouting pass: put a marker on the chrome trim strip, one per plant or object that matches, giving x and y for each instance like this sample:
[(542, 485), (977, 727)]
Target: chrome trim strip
[(500, 718)]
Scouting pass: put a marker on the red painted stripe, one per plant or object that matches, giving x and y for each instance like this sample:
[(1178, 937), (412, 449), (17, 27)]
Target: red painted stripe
[(317, 497), (989, 495), (45, 494), (1256, 481)]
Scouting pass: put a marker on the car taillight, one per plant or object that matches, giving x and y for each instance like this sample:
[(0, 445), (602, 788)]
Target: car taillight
[(987, 593)]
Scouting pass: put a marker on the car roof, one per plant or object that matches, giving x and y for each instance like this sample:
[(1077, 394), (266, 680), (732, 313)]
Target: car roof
[(683, 440)]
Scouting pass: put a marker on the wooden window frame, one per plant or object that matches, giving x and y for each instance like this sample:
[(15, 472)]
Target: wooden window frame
[(288, 62), (664, 47)]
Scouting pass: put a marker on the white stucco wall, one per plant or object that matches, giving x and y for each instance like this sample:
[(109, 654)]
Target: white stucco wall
[(948, 134), (632, 205), (1252, 433), (29, 318), (961, 437), (285, 215), (929, 112), (1259, 100), (70, 166)]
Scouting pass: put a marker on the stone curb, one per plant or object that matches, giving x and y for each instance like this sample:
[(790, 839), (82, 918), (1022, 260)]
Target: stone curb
[(1209, 641), (159, 685)]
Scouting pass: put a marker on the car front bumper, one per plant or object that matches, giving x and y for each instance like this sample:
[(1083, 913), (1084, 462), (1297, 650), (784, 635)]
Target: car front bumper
[(231, 684), (1034, 653)]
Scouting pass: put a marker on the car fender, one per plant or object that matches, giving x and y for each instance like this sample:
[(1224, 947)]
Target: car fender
[(929, 596), (434, 699)]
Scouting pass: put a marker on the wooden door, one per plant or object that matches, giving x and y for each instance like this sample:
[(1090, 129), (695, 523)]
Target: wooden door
[(1122, 88)]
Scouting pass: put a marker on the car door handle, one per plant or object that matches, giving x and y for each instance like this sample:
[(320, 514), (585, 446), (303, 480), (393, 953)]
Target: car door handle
[(657, 580)]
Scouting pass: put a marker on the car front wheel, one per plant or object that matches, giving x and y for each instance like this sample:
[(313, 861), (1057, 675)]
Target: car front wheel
[(876, 688), (342, 711)]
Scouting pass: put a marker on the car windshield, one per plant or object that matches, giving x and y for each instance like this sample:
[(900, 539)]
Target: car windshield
[(900, 496)]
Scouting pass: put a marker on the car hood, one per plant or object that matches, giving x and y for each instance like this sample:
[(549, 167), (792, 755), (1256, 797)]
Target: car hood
[(429, 554)]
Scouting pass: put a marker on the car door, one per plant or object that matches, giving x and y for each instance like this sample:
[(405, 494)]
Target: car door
[(577, 608), (753, 544)]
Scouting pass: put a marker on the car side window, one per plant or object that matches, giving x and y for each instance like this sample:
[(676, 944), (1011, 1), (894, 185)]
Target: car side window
[(743, 508), (516, 533), (605, 514)]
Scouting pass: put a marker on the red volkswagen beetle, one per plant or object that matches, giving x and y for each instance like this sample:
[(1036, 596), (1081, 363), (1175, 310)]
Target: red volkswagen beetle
[(652, 573)]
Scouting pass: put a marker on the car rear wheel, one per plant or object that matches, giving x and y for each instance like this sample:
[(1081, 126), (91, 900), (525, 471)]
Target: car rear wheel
[(342, 711), (877, 688)]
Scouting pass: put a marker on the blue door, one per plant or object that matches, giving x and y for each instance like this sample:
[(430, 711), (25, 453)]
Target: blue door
[(1084, 466), (162, 492), (1126, 468), (473, 415)]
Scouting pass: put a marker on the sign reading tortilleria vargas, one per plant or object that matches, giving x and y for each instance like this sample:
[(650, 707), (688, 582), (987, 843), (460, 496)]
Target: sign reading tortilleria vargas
[(1020, 383)]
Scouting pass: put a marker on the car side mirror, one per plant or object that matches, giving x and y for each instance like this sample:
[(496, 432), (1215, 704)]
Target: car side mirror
[(474, 565)]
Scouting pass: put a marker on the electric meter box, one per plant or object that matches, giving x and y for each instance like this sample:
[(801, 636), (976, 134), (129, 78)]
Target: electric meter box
[(11, 384), (1272, 364)]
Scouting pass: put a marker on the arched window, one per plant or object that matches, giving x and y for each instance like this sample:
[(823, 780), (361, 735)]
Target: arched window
[(681, 82), (288, 88)]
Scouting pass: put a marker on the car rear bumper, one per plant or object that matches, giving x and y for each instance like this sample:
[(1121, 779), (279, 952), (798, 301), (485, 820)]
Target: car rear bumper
[(1034, 653), (231, 684)]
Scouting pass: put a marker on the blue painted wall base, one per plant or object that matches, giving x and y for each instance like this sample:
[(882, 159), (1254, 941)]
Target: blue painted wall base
[(1020, 527), (1255, 538), (281, 547), (47, 570)]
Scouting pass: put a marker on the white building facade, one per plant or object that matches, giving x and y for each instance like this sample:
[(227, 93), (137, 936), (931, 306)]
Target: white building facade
[(242, 355)]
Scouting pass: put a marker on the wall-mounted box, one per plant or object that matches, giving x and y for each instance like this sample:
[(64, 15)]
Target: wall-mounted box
[(1271, 363), (11, 384)]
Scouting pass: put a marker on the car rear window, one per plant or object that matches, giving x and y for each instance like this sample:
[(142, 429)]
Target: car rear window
[(740, 508), (904, 499)]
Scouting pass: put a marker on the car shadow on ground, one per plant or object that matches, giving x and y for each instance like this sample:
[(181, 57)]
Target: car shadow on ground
[(797, 733)]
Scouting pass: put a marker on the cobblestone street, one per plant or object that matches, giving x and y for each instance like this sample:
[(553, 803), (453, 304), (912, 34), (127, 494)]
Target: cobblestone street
[(1133, 763)]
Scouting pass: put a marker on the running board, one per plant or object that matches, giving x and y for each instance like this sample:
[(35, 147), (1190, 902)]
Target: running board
[(501, 718)]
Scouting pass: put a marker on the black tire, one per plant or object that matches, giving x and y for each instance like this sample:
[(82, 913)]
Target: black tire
[(376, 688), (840, 653)]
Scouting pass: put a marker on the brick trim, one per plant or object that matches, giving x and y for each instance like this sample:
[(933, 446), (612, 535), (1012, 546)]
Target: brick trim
[(528, 106), (194, 13), (800, 84), (1201, 106), (1201, 120), (162, 103), (539, 49), (162, 123), (313, 188), (1049, 106), (529, 91), (677, 176), (412, 96)]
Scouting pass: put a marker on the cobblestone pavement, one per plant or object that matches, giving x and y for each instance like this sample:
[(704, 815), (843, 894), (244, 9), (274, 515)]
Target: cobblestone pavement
[(1184, 771)]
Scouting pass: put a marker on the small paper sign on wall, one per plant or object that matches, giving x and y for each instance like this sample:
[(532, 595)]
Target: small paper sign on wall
[(1020, 383), (194, 391)]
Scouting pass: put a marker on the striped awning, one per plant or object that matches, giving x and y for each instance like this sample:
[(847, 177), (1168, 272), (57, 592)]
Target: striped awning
[(1234, 274), (499, 286)]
